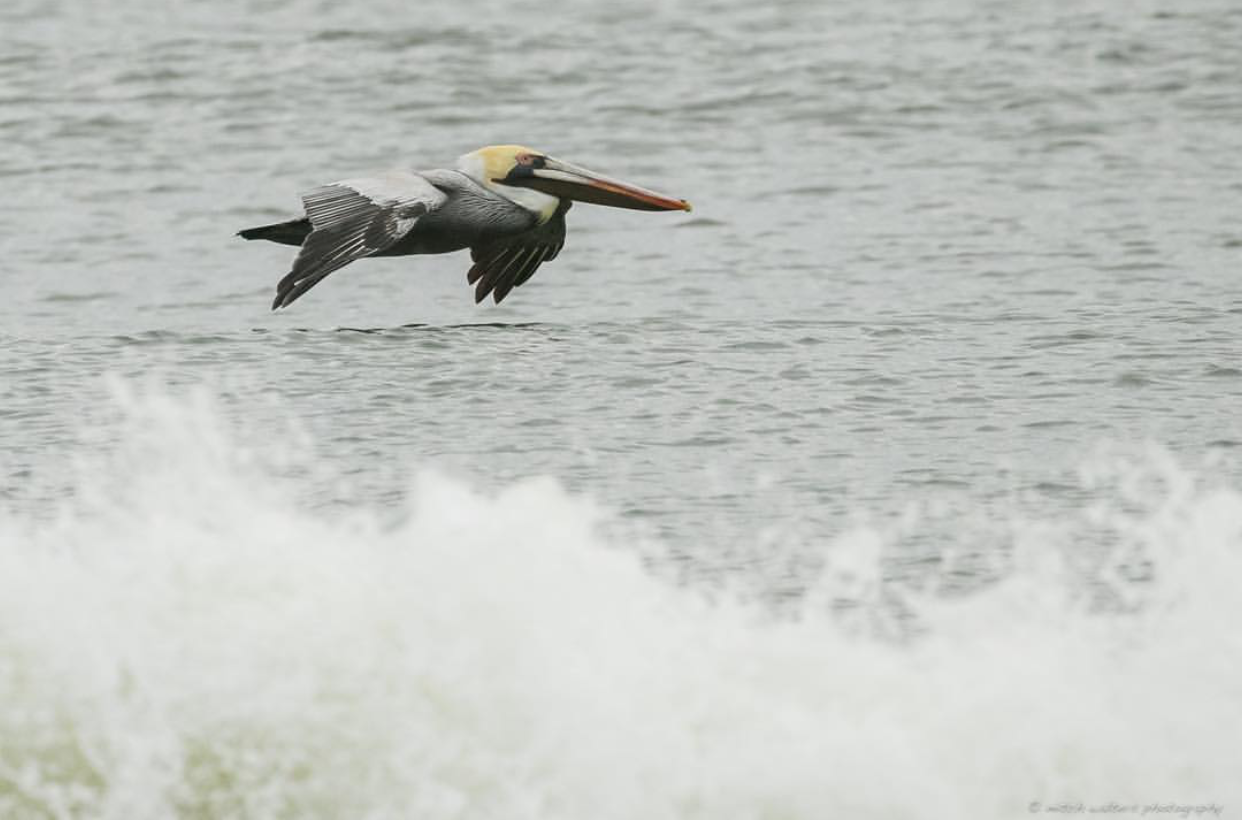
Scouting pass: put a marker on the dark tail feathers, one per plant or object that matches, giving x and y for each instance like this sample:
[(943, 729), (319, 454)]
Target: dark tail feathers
[(293, 232)]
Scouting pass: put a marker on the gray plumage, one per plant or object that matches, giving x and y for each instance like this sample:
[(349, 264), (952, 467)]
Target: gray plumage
[(404, 213)]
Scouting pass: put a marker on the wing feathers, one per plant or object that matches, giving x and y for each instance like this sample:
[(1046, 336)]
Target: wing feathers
[(481, 267), (505, 278), (351, 220), (502, 266), (537, 259), (519, 272), (495, 271)]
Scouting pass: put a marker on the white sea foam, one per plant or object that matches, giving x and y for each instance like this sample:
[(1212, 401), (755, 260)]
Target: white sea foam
[(186, 641)]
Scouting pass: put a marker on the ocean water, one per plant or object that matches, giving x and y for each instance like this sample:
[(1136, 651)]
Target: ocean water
[(897, 480)]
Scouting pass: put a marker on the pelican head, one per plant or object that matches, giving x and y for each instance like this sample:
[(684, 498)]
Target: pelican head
[(538, 181)]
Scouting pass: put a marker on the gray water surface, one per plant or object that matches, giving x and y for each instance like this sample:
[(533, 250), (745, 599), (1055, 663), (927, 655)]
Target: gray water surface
[(938, 250)]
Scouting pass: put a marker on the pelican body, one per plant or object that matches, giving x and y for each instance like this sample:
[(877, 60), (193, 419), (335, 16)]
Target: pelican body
[(506, 203)]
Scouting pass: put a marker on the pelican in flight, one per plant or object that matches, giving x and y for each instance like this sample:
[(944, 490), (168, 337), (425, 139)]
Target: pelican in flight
[(506, 203)]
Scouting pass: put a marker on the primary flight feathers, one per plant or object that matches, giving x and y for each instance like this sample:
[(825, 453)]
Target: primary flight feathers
[(504, 202)]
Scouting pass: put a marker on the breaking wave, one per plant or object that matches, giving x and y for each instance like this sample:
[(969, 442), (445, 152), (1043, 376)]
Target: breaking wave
[(185, 639)]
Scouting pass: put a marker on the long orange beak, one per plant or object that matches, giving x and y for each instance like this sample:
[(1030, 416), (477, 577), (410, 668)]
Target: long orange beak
[(561, 179)]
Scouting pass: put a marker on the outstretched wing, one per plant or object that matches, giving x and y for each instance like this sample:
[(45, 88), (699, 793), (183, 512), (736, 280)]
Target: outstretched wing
[(501, 266), (353, 219)]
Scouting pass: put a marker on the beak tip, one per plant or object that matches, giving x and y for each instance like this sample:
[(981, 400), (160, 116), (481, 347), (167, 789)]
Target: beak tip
[(686, 206)]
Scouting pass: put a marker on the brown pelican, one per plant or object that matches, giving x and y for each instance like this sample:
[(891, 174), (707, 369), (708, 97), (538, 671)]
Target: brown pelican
[(506, 203)]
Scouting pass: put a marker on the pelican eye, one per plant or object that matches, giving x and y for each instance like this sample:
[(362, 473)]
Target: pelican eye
[(530, 160), (524, 166)]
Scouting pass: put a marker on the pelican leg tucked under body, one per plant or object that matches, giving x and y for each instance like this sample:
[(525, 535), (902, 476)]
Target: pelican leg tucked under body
[(506, 203)]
